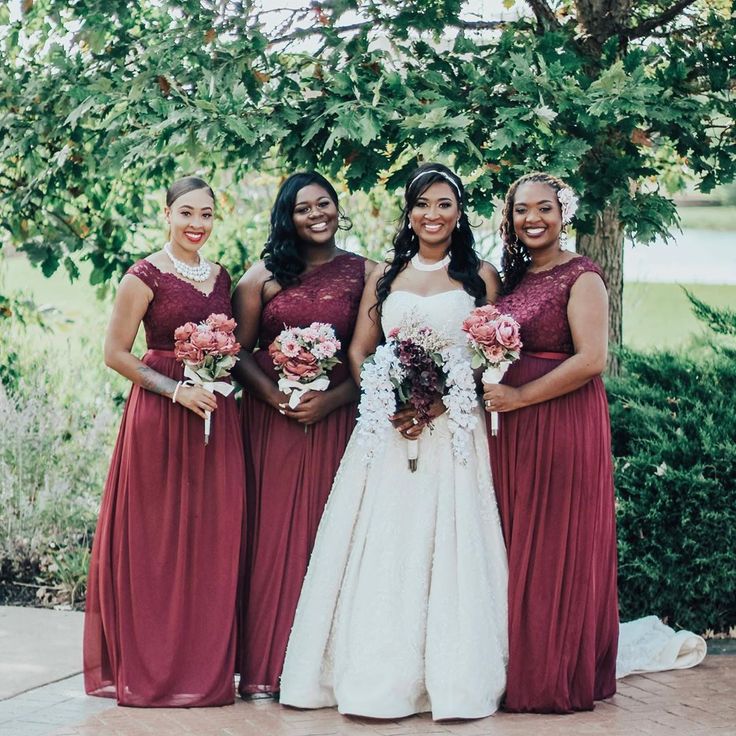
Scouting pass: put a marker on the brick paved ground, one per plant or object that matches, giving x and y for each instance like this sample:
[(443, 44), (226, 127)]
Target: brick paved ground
[(696, 702)]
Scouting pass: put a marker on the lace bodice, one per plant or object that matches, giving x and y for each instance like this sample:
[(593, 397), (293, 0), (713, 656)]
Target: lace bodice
[(329, 293), (176, 301), (539, 305), (443, 312)]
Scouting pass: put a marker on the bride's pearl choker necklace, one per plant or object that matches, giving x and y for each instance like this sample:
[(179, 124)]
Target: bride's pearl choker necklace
[(200, 272), (421, 266)]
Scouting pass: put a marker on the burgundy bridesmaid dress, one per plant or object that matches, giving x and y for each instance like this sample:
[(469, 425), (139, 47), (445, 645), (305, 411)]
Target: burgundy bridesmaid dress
[(160, 624), (553, 476), (290, 471)]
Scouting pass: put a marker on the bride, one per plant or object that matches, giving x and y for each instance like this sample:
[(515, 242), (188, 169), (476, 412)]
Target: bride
[(403, 608)]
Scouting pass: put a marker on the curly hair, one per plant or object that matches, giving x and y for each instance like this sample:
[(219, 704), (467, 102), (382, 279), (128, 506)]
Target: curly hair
[(464, 261), (516, 259), (282, 253)]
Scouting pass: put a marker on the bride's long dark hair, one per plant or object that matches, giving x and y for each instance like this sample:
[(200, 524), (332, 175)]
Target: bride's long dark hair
[(464, 261)]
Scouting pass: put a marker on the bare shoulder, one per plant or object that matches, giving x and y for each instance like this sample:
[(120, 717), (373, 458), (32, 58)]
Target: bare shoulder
[(256, 275), (491, 278), (370, 266)]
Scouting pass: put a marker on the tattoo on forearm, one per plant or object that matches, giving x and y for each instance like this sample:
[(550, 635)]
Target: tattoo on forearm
[(154, 381)]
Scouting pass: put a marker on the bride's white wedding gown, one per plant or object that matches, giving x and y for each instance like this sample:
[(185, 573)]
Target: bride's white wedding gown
[(403, 608)]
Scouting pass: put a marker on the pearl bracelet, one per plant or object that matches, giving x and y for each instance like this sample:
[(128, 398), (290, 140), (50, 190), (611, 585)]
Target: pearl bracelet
[(173, 396)]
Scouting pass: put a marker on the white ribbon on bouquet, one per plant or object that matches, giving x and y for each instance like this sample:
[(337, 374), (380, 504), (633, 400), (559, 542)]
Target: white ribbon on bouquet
[(295, 389), (212, 386), (493, 375)]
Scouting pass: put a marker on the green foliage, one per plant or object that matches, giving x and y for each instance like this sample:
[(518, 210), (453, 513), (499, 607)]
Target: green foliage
[(721, 321), (673, 423), (59, 422), (103, 103)]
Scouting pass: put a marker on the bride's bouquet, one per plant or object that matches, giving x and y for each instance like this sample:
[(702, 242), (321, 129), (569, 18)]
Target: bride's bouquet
[(303, 356), (414, 367), (208, 350), (496, 343)]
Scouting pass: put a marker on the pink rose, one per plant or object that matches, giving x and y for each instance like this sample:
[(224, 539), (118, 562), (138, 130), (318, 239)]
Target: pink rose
[(221, 322), (393, 332), (507, 332), (203, 338), (183, 332), (485, 333)]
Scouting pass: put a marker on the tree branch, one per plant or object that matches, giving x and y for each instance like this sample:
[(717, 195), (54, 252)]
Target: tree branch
[(643, 29), (543, 13)]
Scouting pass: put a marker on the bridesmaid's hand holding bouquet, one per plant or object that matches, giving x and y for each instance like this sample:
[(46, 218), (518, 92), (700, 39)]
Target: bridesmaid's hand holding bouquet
[(303, 356), (208, 350), (496, 343)]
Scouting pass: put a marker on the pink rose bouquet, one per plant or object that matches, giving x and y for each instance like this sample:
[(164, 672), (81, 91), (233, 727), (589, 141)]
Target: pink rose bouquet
[(208, 350), (495, 340), (303, 356)]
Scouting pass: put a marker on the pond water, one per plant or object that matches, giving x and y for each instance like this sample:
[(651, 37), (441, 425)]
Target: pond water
[(690, 257)]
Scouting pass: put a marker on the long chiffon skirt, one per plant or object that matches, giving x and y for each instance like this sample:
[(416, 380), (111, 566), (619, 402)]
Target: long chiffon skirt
[(160, 625), (290, 473), (552, 471)]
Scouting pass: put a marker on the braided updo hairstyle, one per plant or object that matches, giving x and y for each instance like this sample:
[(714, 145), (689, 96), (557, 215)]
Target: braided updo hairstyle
[(464, 261), (516, 259)]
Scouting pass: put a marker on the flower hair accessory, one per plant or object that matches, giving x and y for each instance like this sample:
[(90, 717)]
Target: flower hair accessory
[(568, 204)]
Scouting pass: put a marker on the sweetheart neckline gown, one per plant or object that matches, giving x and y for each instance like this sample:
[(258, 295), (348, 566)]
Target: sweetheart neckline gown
[(403, 609)]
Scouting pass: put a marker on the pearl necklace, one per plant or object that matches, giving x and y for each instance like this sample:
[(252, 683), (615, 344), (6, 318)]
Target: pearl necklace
[(200, 272), (420, 266)]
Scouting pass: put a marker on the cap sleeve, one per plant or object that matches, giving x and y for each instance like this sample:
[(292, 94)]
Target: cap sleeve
[(583, 265), (146, 272)]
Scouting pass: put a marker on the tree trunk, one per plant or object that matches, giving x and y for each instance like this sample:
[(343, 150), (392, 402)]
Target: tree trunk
[(606, 247)]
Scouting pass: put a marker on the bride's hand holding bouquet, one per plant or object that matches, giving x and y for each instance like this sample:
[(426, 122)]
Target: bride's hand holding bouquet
[(410, 380)]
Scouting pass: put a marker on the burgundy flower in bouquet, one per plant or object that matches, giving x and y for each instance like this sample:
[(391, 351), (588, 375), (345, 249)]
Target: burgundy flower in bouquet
[(208, 350), (417, 372), (495, 339)]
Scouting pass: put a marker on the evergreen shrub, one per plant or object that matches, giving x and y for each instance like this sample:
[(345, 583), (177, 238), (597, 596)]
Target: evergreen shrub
[(673, 421)]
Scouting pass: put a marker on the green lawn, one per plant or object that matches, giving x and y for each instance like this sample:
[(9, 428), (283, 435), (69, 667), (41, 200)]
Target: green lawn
[(655, 315), (659, 315), (707, 218)]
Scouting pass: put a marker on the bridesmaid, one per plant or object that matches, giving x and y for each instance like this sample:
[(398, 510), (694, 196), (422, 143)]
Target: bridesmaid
[(160, 627), (551, 461), (291, 455)]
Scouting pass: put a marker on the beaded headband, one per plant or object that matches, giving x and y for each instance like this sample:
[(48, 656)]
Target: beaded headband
[(444, 176)]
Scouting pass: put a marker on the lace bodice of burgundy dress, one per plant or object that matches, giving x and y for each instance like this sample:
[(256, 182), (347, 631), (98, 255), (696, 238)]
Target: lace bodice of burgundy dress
[(176, 301), (539, 305), (329, 293)]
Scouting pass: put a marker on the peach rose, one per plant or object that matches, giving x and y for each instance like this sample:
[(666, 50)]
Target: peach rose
[(183, 332), (221, 323), (185, 351), (203, 338), (494, 353)]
